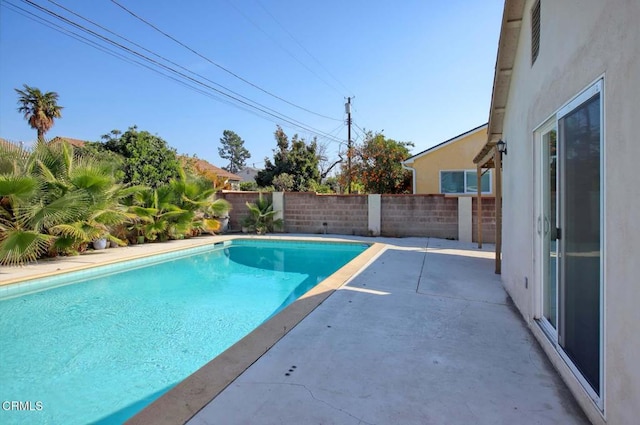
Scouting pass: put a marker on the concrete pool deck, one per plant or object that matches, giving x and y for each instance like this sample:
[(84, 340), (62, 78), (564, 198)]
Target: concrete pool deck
[(423, 334)]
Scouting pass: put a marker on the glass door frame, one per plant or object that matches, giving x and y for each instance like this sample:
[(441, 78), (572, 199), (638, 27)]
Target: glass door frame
[(543, 227), (552, 333), (595, 88)]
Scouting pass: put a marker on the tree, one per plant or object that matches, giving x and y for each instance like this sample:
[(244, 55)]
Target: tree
[(39, 109), (97, 151), (283, 182), (376, 164), (233, 150), (324, 164), (298, 159), (148, 159), (52, 201)]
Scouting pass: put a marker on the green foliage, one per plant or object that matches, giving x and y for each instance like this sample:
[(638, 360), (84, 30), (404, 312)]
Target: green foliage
[(376, 164), (176, 210), (297, 159), (52, 201), (260, 218), (99, 153), (148, 159), (39, 109), (284, 182), (233, 150), (325, 187), (56, 200), (248, 186)]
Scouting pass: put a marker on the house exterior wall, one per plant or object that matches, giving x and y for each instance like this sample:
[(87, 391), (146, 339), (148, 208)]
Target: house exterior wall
[(581, 41), (457, 155)]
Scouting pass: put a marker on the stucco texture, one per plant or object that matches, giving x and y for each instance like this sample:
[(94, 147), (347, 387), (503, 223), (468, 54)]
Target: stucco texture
[(581, 42)]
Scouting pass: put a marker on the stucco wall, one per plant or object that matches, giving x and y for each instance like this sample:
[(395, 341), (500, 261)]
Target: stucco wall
[(457, 155), (580, 42)]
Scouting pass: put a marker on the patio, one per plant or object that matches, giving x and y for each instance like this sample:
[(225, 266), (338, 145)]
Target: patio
[(424, 335)]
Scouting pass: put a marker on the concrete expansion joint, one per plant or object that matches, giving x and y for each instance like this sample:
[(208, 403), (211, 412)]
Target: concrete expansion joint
[(424, 262), (431, 294), (360, 420), (476, 417)]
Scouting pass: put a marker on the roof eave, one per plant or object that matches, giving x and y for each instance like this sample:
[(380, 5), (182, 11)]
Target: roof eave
[(411, 159), (505, 59)]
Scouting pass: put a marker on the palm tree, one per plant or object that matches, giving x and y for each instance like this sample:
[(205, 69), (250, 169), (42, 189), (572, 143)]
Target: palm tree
[(53, 202), (32, 200), (178, 209), (39, 109), (261, 217)]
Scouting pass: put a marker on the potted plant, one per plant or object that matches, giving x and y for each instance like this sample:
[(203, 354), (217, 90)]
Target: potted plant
[(223, 220)]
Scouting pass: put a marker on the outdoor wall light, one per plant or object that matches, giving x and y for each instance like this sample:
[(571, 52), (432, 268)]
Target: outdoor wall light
[(502, 147)]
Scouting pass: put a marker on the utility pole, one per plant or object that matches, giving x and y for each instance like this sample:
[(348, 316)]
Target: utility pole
[(347, 108)]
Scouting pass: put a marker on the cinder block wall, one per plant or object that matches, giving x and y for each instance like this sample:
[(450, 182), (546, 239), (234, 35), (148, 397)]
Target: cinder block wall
[(488, 219), (400, 216), (419, 215), (305, 212), (238, 201)]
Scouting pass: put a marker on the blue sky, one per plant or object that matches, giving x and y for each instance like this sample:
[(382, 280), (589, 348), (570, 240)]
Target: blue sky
[(421, 70)]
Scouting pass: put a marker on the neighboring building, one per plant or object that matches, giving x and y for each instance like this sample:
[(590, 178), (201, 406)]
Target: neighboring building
[(73, 142), (248, 174), (233, 180), (7, 143), (566, 99), (448, 167)]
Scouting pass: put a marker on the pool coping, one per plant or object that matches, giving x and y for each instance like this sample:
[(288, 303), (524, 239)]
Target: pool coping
[(187, 398), (87, 261)]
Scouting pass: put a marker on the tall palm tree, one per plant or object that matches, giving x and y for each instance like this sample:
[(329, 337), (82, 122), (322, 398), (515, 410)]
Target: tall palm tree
[(39, 109)]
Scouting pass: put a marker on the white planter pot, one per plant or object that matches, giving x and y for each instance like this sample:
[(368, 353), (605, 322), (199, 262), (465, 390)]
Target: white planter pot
[(100, 244), (224, 224)]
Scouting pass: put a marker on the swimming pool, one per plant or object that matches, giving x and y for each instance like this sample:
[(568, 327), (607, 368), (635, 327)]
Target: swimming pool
[(101, 349)]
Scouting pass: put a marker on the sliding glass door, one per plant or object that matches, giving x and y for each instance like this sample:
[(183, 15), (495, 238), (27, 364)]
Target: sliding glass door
[(570, 234), (580, 241)]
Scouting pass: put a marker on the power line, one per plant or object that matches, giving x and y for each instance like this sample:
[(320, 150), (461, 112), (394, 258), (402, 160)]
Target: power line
[(218, 65), (252, 22), (359, 128), (165, 59), (279, 116), (31, 16), (301, 46), (41, 20)]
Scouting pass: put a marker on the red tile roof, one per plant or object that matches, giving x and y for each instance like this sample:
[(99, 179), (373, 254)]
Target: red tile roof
[(203, 165), (73, 142)]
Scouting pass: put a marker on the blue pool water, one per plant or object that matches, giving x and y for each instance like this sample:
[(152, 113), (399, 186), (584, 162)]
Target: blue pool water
[(100, 349)]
